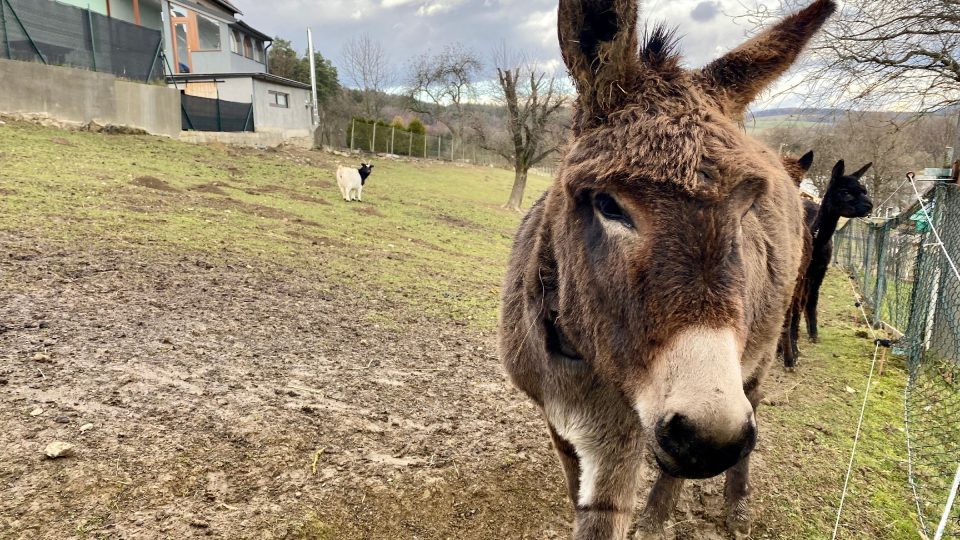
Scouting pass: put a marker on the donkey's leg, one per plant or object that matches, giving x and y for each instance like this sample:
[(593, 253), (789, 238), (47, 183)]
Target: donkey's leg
[(598, 438), (737, 485), (660, 503), (609, 479), (570, 463)]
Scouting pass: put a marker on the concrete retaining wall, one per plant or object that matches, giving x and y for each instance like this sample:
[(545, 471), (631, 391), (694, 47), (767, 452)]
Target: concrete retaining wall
[(80, 96), (266, 139)]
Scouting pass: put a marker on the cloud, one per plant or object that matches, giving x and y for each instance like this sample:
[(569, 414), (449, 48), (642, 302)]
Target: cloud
[(410, 28), (705, 11)]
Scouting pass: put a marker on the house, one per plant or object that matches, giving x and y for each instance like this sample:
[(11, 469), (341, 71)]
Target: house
[(145, 13), (215, 56)]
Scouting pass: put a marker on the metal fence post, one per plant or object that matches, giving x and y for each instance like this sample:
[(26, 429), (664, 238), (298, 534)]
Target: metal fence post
[(393, 137), (155, 57), (424, 146), (353, 129), (93, 41), (881, 282), (409, 144), (26, 33), (3, 24), (373, 140), (439, 141)]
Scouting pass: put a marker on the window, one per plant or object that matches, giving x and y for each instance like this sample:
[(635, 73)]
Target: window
[(235, 45), (258, 51), (177, 11), (209, 33), (279, 99), (247, 47)]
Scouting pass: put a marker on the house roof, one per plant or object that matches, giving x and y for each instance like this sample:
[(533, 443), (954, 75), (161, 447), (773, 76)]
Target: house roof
[(226, 4), (268, 77), (251, 30)]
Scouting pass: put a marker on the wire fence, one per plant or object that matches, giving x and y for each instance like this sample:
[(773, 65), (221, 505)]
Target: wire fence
[(57, 34), (379, 137), (906, 270)]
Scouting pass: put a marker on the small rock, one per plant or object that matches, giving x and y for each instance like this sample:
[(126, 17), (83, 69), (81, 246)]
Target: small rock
[(850, 390), (58, 449), (43, 324), (62, 419), (36, 412), (85, 428), (810, 436), (41, 357), (166, 341), (199, 524)]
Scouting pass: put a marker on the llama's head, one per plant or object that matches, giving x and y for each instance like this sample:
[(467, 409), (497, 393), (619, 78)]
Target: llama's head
[(660, 195), (797, 167), (845, 195)]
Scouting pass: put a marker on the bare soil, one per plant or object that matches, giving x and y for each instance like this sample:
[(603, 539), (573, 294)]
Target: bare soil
[(234, 399)]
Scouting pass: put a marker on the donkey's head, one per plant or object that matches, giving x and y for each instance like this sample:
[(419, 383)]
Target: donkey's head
[(656, 226), (846, 196)]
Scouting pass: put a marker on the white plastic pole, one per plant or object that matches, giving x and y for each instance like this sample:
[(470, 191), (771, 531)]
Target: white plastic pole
[(314, 115), (949, 507)]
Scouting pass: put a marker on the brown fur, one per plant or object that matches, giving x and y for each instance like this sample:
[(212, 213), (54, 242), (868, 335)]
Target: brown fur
[(790, 336), (706, 240)]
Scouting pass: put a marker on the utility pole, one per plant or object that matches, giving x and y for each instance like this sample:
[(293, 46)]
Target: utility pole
[(314, 115)]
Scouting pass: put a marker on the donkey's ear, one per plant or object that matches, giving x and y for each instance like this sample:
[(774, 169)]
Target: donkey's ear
[(739, 76), (863, 170), (837, 170), (806, 161), (598, 40)]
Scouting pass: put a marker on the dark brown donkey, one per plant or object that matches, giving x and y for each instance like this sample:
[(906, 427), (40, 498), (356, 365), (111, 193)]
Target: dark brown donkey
[(647, 289)]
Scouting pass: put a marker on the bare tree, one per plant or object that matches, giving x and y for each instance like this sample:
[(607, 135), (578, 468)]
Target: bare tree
[(367, 66), (880, 53), (533, 101), (442, 85)]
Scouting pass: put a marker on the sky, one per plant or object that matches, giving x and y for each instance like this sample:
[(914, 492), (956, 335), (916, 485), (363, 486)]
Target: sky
[(409, 28)]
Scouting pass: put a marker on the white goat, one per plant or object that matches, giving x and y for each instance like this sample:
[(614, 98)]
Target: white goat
[(351, 181)]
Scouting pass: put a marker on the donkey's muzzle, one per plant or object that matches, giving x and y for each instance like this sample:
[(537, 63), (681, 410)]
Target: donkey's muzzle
[(684, 451)]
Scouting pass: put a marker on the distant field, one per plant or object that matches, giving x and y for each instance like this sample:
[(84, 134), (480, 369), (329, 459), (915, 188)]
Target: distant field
[(260, 359), (759, 124)]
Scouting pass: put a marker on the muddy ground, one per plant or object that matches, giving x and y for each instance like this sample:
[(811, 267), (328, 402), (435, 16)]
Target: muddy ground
[(237, 400)]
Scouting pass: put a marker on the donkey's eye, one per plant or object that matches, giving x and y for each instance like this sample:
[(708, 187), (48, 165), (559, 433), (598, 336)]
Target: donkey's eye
[(608, 208)]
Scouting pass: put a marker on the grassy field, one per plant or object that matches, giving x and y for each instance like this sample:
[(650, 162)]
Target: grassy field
[(395, 300)]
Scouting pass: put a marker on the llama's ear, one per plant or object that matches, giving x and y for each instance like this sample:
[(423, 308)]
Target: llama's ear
[(598, 40), (863, 170), (806, 161), (837, 170), (739, 76)]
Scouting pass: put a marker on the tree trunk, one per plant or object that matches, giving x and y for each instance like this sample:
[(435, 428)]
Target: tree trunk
[(519, 185)]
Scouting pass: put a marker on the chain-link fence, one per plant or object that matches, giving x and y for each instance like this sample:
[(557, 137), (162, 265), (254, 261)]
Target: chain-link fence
[(379, 137), (61, 35), (906, 269)]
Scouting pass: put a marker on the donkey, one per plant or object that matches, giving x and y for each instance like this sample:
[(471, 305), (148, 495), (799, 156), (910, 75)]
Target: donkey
[(796, 169), (647, 287), (845, 197)]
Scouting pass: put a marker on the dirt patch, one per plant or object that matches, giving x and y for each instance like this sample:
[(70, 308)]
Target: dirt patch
[(308, 198), (322, 184), (154, 183), (215, 188), (61, 141), (259, 210), (6, 192), (457, 222), (368, 211)]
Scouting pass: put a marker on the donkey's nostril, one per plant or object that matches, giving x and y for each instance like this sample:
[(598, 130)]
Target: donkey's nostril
[(688, 451)]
